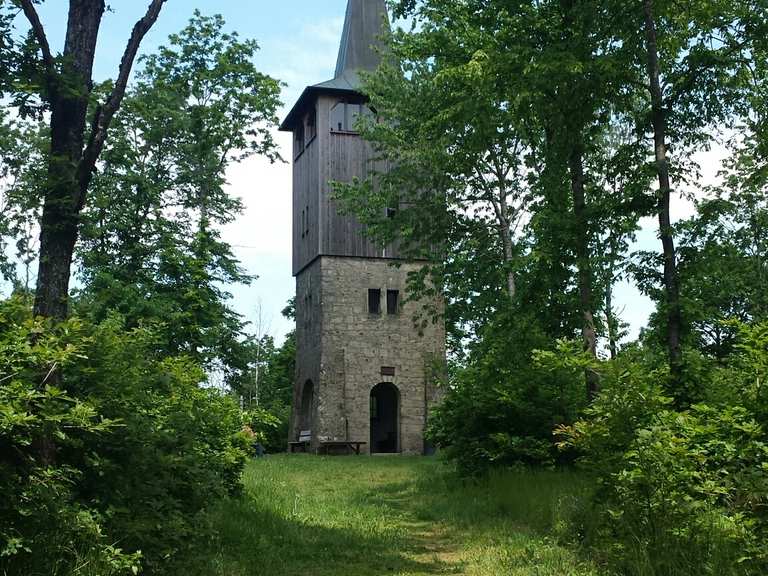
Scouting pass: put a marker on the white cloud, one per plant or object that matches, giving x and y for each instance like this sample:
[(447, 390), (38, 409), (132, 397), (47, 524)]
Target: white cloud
[(262, 235)]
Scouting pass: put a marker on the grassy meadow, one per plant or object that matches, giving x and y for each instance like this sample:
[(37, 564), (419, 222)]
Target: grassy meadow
[(360, 516)]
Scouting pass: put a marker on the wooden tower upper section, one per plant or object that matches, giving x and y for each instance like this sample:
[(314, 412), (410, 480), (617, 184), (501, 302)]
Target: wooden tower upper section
[(327, 148)]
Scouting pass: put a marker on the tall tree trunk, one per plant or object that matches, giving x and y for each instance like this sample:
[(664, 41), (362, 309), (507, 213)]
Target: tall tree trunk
[(73, 159), (583, 263), (500, 204), (671, 276), (610, 320), (759, 257), (505, 230), (71, 89)]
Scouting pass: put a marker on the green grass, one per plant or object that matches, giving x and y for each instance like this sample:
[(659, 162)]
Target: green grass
[(362, 516)]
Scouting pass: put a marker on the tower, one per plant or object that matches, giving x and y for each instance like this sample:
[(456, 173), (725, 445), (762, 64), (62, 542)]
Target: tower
[(364, 372)]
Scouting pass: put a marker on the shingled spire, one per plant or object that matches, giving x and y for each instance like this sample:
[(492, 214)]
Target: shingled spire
[(361, 42)]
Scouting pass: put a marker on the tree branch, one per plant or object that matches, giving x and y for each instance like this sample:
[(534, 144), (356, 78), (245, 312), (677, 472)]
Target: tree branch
[(104, 113), (39, 32), (716, 59)]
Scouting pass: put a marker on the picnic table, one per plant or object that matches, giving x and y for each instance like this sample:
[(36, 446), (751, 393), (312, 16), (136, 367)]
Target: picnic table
[(349, 446), (304, 443)]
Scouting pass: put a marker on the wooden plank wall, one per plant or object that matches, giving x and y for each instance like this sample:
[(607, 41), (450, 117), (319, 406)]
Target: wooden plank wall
[(329, 157), (306, 182), (343, 157)]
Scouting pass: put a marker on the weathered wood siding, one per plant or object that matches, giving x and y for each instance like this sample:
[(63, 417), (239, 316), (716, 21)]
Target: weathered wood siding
[(306, 181), (343, 157), (330, 157)]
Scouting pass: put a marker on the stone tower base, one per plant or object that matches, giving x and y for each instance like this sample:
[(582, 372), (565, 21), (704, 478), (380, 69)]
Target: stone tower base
[(363, 375)]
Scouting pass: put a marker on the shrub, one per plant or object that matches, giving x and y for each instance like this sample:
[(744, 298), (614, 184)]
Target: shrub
[(268, 427), (678, 492), (500, 410), (140, 449), (43, 525)]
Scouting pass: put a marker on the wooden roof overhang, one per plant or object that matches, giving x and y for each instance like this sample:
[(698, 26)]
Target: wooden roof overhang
[(360, 49), (346, 85), (305, 101)]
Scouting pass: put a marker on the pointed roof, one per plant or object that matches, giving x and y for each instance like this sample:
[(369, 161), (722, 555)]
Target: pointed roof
[(361, 42), (360, 49)]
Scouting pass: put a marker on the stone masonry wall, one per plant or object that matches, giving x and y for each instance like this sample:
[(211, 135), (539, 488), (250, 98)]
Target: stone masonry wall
[(354, 346), (308, 341)]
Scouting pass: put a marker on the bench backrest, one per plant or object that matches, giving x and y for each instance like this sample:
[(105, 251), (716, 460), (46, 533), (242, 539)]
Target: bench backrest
[(305, 436)]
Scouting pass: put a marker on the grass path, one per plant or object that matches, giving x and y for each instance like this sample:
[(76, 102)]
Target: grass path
[(311, 516)]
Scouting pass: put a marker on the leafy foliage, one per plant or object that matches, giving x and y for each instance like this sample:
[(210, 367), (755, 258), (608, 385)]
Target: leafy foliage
[(679, 492), (500, 409), (152, 245), (140, 448)]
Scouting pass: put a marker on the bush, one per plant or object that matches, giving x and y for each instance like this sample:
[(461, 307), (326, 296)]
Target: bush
[(268, 427), (678, 492), (126, 447), (500, 410)]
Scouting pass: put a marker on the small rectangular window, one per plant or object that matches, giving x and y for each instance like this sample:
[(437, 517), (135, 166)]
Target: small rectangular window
[(311, 126), (306, 227), (374, 301), (298, 147), (393, 301)]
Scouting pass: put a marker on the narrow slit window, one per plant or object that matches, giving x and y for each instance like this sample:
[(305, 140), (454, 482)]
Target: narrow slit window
[(311, 130), (374, 301), (393, 301), (298, 147)]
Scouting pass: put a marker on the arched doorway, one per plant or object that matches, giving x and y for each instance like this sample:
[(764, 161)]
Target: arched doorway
[(385, 419), (307, 398)]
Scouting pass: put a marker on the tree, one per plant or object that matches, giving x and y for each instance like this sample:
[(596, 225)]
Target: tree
[(66, 90), (723, 251), (573, 83), (694, 61), (151, 246), (21, 171), (658, 119), (514, 158), (270, 379), (459, 184)]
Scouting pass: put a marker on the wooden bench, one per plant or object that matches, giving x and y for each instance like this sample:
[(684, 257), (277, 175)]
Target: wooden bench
[(303, 443), (348, 446)]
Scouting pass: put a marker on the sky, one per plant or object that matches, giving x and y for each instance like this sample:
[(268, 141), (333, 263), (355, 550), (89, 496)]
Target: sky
[(299, 43)]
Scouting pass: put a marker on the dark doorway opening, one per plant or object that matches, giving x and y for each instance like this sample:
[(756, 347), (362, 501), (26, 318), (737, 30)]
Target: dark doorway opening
[(307, 398), (385, 416)]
